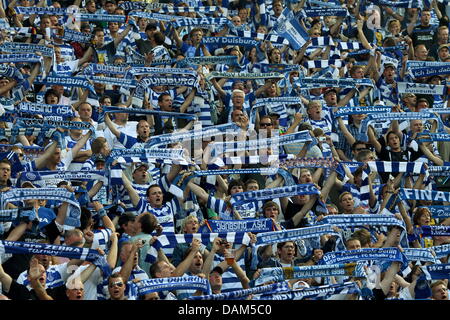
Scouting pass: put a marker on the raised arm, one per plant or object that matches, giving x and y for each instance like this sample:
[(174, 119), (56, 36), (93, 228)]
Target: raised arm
[(134, 196), (187, 102), (122, 35), (107, 223), (373, 140), (111, 125), (301, 214), (5, 279), (127, 268), (198, 191), (183, 266)]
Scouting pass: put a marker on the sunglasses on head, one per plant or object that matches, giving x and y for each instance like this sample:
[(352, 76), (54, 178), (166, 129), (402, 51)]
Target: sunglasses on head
[(117, 283)]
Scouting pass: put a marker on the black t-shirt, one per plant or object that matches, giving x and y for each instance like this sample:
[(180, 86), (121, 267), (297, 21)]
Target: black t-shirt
[(423, 35), (291, 210), (20, 292), (143, 46), (105, 54)]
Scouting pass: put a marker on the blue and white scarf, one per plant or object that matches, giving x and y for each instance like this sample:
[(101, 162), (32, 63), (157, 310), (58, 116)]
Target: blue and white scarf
[(43, 123), (320, 64), (273, 193), (218, 148), (247, 225), (383, 254), (111, 109), (147, 155), (179, 184), (429, 195), (182, 22), (360, 110), (15, 47), (63, 111), (430, 71), (100, 17), (431, 136), (175, 283), (316, 293), (419, 254), (294, 234), (153, 81), (281, 274), (439, 212), (80, 82), (358, 220), (72, 35), (272, 159), (324, 4), (57, 194), (424, 115), (311, 83), (432, 231), (398, 4), (242, 294), (171, 240), (260, 36), (121, 82), (21, 57), (152, 15), (226, 41), (243, 75), (441, 251), (199, 9), (62, 175), (16, 247), (324, 12), (42, 10), (208, 60), (437, 271), (439, 170), (197, 134), (350, 45), (421, 88), (133, 5), (387, 166), (149, 70)]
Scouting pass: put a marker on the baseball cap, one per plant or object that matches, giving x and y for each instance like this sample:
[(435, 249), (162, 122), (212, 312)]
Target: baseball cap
[(99, 158), (328, 90), (445, 45), (389, 64), (217, 269), (27, 184), (140, 164), (4, 138)]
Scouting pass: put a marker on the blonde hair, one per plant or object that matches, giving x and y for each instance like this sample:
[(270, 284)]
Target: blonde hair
[(186, 220)]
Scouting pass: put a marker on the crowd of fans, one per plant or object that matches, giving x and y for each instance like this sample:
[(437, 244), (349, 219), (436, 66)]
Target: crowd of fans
[(123, 213)]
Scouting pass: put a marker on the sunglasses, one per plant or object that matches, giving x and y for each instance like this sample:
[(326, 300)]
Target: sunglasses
[(261, 124), (117, 283)]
